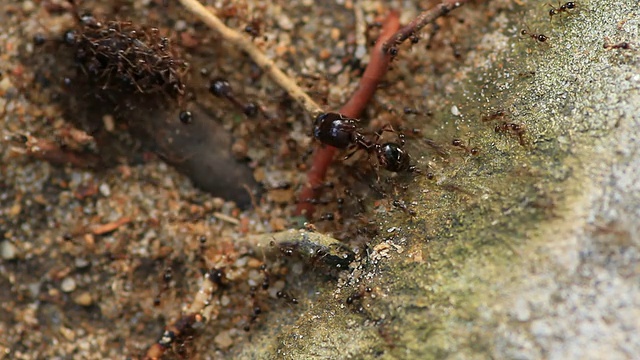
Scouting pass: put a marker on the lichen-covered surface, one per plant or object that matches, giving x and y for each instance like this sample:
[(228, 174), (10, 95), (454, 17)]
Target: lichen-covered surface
[(522, 251)]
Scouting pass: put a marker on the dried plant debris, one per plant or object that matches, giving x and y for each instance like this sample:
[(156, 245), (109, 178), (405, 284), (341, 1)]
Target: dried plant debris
[(120, 75), (115, 60), (121, 57)]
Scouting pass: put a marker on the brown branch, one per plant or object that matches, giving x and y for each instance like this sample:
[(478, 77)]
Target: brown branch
[(373, 74), (426, 17), (51, 152)]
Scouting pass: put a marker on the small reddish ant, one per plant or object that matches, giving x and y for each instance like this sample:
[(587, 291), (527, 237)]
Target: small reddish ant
[(254, 28), (621, 45), (537, 37), (564, 8), (500, 114), (459, 144), (513, 128), (504, 126)]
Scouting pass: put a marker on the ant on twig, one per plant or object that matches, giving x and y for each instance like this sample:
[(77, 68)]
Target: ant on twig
[(336, 130)]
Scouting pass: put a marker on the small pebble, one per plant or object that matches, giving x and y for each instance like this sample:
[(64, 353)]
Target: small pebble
[(223, 340), (285, 23), (82, 263), (5, 85), (83, 299), (105, 190), (67, 333), (180, 25), (8, 250), (455, 111), (68, 285), (28, 6)]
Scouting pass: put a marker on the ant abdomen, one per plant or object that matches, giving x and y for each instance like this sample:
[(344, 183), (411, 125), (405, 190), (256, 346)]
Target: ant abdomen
[(335, 130)]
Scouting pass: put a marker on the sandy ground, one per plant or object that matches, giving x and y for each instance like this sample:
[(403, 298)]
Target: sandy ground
[(524, 251)]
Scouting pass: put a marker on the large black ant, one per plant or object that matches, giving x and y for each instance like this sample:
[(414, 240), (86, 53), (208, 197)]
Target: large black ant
[(336, 130), (564, 8)]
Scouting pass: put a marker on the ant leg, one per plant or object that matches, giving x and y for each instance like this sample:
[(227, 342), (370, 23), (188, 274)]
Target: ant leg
[(351, 153), (385, 128)]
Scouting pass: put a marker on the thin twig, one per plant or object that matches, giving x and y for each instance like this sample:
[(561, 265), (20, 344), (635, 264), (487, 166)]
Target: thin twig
[(373, 74), (426, 17), (199, 312), (237, 39)]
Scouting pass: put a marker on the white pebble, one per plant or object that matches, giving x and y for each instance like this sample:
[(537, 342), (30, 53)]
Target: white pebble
[(28, 6), (455, 111), (68, 285), (105, 190), (8, 250), (361, 51), (180, 25), (285, 23), (82, 263)]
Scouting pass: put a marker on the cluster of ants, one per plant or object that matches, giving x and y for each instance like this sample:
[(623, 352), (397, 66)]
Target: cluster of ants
[(119, 59), (119, 55), (568, 8)]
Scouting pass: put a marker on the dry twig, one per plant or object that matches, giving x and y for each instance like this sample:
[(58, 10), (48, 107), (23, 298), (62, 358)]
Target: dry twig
[(199, 311), (426, 17), (235, 38)]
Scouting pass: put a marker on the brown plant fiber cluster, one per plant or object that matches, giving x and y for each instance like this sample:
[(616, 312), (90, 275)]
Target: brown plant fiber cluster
[(118, 56)]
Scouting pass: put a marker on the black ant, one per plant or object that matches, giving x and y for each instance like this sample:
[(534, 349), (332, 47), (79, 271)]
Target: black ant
[(393, 157), (569, 5), (335, 130), (404, 207), (221, 88)]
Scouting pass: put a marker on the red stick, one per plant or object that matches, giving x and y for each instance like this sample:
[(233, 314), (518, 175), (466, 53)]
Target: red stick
[(373, 74)]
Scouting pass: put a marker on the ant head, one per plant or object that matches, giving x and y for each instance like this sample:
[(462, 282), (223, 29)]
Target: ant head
[(392, 157)]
